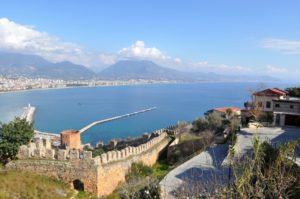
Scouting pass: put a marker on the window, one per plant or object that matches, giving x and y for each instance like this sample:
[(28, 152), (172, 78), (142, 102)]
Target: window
[(277, 105), (291, 106), (268, 104)]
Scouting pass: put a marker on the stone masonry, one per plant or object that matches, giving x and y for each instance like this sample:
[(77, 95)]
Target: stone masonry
[(100, 175)]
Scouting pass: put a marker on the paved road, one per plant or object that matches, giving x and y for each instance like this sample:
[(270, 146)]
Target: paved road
[(205, 168), (211, 164), (274, 134)]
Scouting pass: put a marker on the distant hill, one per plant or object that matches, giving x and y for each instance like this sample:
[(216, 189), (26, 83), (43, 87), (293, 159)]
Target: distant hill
[(135, 69), (15, 64)]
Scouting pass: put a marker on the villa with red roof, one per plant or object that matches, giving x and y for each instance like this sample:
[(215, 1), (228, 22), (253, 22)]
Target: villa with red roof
[(286, 109)]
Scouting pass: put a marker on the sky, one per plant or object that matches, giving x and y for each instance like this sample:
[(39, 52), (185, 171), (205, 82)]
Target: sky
[(229, 37)]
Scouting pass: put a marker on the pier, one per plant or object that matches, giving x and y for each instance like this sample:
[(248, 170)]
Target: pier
[(28, 113), (114, 118)]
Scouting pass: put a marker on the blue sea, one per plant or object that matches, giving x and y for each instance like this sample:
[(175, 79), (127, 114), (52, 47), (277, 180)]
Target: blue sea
[(73, 108)]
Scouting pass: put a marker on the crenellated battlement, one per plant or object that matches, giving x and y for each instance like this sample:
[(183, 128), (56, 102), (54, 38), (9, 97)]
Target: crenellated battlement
[(42, 149), (100, 175)]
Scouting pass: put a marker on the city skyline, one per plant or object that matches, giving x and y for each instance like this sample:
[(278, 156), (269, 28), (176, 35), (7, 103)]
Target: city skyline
[(224, 37)]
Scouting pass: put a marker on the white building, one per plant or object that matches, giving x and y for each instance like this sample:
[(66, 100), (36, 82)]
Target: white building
[(286, 109)]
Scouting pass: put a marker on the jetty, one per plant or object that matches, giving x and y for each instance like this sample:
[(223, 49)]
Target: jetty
[(115, 118), (28, 113)]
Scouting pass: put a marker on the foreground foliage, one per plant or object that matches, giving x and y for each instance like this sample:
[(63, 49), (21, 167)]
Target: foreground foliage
[(267, 172), (12, 136), (270, 173), (293, 92), (211, 121), (141, 182)]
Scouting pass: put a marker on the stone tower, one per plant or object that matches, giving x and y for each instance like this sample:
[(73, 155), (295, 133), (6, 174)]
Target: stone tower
[(71, 139)]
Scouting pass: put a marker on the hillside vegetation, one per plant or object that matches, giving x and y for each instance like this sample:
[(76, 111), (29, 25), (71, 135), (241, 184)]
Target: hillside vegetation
[(16, 184)]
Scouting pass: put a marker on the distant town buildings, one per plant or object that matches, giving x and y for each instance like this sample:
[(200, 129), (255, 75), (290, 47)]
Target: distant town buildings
[(23, 83)]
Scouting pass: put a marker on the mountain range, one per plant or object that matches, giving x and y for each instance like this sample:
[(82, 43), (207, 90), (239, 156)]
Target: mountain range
[(143, 69), (16, 64)]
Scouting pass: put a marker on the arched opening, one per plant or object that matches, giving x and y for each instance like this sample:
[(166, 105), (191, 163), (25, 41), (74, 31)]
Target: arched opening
[(78, 185)]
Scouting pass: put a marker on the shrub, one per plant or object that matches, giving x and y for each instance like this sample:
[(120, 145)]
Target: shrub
[(141, 182), (138, 170), (270, 173), (267, 117), (212, 121), (12, 136)]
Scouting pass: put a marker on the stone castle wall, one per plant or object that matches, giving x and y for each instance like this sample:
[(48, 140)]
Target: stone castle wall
[(100, 175)]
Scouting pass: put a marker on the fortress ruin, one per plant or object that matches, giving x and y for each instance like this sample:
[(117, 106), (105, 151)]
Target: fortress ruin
[(98, 175)]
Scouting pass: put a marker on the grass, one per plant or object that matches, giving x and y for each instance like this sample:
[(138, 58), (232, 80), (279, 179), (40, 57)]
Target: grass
[(113, 196), (138, 170), (17, 184), (84, 195), (160, 170)]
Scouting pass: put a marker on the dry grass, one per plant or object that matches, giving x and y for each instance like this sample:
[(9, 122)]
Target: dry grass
[(16, 184)]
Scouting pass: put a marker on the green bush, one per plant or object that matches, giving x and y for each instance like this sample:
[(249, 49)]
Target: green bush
[(12, 136), (160, 170), (212, 121)]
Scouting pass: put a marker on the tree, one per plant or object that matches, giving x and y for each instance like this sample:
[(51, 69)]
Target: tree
[(211, 121), (12, 136), (215, 122), (294, 92)]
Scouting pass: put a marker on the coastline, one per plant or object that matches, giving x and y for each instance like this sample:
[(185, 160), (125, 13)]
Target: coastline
[(121, 85), (70, 87)]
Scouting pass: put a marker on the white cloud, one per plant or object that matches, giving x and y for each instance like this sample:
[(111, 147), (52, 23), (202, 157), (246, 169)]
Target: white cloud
[(276, 70), (223, 68), (283, 72), (25, 39), (282, 45), (140, 51), (15, 37)]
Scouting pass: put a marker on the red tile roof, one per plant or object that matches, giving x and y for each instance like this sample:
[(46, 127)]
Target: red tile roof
[(271, 92), (223, 109)]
